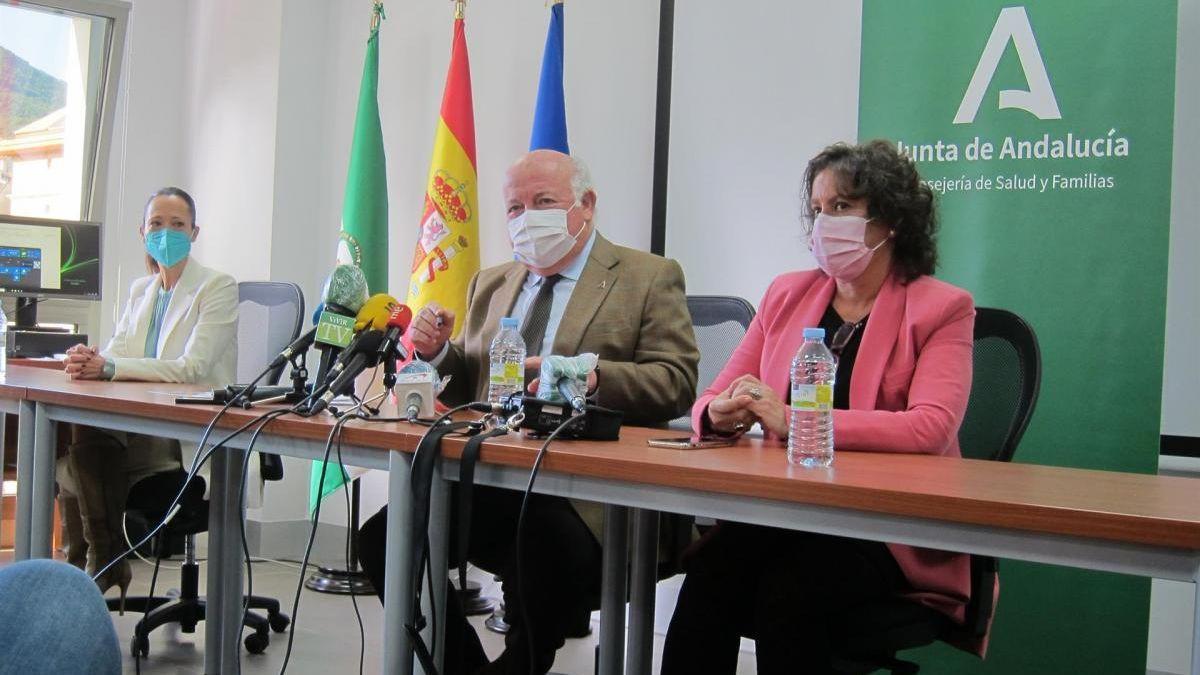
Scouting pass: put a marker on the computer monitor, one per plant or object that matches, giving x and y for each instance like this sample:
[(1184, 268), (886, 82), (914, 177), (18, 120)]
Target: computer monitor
[(44, 258)]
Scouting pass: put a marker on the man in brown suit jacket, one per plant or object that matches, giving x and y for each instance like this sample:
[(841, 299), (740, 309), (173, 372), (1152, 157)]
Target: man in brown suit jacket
[(625, 305)]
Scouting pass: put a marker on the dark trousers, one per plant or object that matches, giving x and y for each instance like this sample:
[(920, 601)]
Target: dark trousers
[(561, 562), (776, 586)]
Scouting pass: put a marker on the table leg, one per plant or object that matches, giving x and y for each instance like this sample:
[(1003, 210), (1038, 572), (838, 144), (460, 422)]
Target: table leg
[(25, 424), (215, 600), (3, 429), (230, 553), (1195, 670), (439, 562), (397, 591), (643, 577), (613, 589), (42, 513)]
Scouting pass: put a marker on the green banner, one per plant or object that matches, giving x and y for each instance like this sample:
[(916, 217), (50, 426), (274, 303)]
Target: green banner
[(1046, 131)]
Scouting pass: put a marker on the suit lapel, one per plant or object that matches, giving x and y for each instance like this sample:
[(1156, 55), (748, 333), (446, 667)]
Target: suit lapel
[(505, 298), (181, 300), (879, 337), (814, 301), (593, 286)]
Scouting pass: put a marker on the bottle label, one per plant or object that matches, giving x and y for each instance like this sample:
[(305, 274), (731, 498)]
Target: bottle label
[(812, 397), (509, 374)]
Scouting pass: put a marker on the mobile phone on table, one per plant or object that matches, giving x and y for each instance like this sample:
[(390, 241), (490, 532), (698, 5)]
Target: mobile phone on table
[(691, 442)]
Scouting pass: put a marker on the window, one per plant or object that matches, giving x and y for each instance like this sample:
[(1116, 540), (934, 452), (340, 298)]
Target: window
[(58, 65)]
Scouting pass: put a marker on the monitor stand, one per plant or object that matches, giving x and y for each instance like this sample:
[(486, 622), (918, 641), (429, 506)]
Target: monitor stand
[(26, 315), (26, 318)]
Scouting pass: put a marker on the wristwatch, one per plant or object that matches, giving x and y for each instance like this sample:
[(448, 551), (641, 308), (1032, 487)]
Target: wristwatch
[(109, 370)]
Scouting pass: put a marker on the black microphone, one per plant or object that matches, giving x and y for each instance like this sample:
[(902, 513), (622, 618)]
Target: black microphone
[(345, 380), (397, 323), (365, 344), (300, 344)]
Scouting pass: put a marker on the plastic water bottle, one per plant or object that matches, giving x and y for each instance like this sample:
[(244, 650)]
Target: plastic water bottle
[(507, 355), (810, 438), (3, 342)]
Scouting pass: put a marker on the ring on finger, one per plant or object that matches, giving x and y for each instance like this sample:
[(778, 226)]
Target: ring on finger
[(755, 393)]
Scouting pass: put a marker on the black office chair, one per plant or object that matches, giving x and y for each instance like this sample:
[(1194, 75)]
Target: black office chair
[(270, 315), (1007, 368)]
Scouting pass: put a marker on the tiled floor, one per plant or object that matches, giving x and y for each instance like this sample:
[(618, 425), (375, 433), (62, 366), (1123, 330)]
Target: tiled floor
[(326, 637)]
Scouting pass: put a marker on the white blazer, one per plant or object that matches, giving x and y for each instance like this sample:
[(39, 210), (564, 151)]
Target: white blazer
[(197, 342)]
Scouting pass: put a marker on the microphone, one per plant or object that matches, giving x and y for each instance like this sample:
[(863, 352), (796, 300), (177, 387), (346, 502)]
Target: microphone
[(371, 321), (566, 377), (570, 389), (375, 312), (300, 344), (415, 389), (398, 322), (344, 294), (344, 380)]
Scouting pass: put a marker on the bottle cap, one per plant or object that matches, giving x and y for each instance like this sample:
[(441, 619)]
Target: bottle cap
[(814, 333), (508, 322)]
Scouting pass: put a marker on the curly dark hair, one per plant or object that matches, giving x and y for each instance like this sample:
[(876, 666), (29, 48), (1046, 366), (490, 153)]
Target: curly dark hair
[(895, 196)]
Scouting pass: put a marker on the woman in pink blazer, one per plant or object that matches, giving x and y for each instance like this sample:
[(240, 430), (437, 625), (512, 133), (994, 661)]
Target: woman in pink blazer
[(904, 344)]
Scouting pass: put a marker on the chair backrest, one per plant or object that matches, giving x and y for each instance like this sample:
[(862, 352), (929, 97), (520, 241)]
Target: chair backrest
[(720, 322), (1007, 367), (1004, 390), (270, 314)]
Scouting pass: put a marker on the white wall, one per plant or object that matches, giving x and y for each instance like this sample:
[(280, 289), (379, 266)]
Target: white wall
[(753, 98)]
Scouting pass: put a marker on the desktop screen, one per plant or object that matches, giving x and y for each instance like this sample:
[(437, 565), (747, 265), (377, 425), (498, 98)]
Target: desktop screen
[(49, 258)]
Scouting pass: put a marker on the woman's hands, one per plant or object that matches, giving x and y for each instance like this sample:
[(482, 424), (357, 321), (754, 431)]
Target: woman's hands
[(84, 363), (745, 401)]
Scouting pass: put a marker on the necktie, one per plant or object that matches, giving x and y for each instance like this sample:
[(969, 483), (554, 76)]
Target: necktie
[(534, 330)]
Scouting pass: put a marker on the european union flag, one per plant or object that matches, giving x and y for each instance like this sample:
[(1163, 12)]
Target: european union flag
[(550, 111)]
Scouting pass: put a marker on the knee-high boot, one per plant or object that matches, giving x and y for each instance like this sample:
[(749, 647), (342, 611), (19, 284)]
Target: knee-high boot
[(98, 462)]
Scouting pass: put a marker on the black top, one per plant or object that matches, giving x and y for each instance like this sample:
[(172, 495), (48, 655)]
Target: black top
[(831, 322)]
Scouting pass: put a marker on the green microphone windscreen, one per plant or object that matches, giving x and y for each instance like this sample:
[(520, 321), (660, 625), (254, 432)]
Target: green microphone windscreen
[(346, 287)]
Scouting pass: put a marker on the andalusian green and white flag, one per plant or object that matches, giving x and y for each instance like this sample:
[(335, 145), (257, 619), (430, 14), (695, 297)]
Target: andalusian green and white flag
[(363, 240)]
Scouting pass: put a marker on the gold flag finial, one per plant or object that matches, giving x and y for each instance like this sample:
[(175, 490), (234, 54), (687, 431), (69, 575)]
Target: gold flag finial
[(460, 7), (376, 15)]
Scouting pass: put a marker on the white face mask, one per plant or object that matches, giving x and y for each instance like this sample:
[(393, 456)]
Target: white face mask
[(540, 238), (839, 247)]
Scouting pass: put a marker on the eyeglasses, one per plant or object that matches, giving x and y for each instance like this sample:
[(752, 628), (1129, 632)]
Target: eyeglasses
[(842, 336)]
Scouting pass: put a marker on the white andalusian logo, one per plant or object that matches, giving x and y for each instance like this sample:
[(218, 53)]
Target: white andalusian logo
[(1012, 25)]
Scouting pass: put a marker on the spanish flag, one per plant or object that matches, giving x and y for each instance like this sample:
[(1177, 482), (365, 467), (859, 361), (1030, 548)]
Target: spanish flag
[(447, 250)]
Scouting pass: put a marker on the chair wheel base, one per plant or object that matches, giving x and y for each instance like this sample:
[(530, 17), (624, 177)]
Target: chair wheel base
[(256, 643), (139, 647)]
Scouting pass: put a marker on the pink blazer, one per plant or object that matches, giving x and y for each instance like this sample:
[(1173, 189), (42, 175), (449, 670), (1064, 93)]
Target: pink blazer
[(908, 390)]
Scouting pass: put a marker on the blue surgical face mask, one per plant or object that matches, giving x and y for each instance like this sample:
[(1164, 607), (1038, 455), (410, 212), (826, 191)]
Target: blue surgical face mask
[(168, 247)]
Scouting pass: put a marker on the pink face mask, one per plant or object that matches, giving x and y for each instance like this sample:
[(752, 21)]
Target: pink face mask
[(838, 244)]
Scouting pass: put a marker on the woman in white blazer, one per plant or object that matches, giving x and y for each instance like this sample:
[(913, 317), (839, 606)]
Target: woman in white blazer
[(179, 325)]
